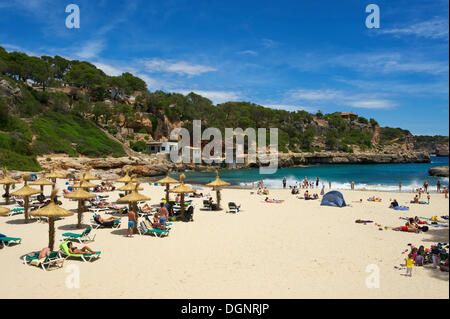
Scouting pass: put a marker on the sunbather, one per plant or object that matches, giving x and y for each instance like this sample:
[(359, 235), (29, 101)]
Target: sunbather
[(84, 251), (276, 201), (394, 204), (102, 220), (415, 200)]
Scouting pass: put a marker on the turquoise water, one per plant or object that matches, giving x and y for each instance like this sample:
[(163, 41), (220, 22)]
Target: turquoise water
[(374, 176)]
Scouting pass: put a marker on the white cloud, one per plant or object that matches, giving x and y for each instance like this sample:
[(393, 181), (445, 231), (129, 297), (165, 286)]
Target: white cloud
[(390, 63), (269, 43), (249, 52), (291, 107), (372, 104), (91, 49), (178, 67), (109, 69), (216, 97), (341, 98), (433, 29)]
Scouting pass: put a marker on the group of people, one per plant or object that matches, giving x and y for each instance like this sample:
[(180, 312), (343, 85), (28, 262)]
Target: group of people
[(160, 219), (436, 255), (107, 186), (263, 191), (412, 226)]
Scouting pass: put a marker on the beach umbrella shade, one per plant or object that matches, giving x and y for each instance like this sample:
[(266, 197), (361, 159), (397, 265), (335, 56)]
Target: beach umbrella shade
[(25, 192), (53, 176), (51, 211), (42, 182), (182, 190), (167, 181), (84, 184), (130, 186), (217, 184), (88, 177), (7, 181), (4, 211), (125, 179), (80, 195), (132, 200)]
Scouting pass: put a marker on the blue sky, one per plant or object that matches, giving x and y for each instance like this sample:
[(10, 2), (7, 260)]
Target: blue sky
[(312, 55)]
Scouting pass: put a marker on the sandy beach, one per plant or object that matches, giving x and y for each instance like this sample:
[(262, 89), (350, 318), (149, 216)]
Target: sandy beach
[(296, 249)]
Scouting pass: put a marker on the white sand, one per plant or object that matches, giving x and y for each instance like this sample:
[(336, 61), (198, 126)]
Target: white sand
[(296, 249)]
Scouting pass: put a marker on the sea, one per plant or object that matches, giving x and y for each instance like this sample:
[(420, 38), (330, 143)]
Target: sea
[(382, 177)]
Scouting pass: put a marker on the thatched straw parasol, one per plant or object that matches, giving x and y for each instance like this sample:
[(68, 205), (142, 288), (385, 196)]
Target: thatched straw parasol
[(81, 195), (167, 181), (88, 177), (125, 179), (130, 186), (217, 184), (182, 189), (7, 181), (51, 211), (42, 182), (53, 176), (132, 200), (25, 192), (84, 184), (4, 211)]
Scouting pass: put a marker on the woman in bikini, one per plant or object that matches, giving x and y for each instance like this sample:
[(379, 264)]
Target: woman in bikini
[(85, 250)]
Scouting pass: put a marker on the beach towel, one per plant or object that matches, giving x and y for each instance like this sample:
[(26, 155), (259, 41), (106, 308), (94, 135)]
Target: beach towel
[(401, 208)]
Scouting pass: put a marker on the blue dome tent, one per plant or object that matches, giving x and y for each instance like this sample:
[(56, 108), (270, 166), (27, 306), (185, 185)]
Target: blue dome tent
[(333, 198)]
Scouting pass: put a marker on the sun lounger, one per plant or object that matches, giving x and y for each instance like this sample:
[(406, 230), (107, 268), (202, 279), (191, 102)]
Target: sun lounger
[(6, 241), (153, 226), (146, 228), (14, 211), (207, 205), (233, 208), (84, 236), (53, 259), (85, 257)]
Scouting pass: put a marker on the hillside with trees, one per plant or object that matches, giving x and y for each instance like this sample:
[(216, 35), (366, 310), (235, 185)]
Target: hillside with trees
[(53, 105)]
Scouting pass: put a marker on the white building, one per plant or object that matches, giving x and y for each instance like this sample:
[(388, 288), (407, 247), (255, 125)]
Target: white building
[(162, 147)]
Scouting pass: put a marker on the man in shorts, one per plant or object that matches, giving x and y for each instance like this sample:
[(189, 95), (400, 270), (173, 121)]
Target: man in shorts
[(131, 223)]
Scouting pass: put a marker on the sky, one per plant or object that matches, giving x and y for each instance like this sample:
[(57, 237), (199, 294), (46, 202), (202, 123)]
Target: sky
[(294, 55)]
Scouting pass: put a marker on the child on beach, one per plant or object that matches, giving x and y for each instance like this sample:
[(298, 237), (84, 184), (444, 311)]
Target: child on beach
[(409, 264)]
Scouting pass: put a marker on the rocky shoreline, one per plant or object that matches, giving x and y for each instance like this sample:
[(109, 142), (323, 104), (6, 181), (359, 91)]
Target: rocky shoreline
[(157, 165)]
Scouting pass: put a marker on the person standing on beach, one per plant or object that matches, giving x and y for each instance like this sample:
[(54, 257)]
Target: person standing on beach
[(131, 223), (438, 186), (329, 185), (163, 216), (353, 186), (317, 182), (400, 187), (409, 265), (284, 182), (425, 186)]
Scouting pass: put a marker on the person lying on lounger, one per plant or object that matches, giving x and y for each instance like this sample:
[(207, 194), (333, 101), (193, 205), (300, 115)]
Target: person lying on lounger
[(102, 220), (84, 251)]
